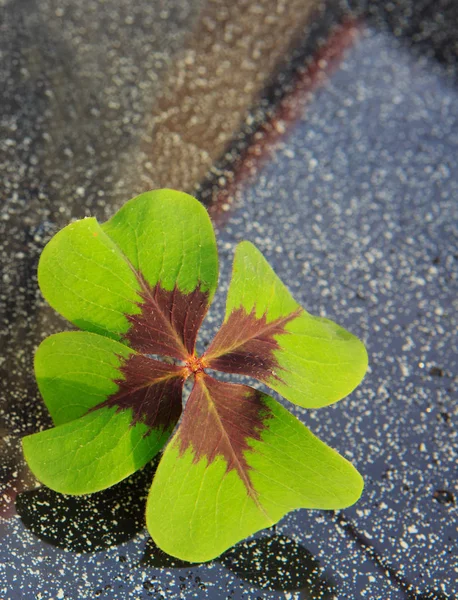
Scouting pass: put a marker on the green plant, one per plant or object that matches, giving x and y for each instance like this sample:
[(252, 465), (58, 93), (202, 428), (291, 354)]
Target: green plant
[(139, 287)]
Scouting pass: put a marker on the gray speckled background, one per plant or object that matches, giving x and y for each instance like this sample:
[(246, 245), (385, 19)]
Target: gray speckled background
[(334, 149)]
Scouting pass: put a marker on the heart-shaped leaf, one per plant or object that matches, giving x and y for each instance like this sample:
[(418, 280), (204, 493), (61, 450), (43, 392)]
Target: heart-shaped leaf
[(310, 360), (146, 276), (239, 462), (91, 453), (114, 409)]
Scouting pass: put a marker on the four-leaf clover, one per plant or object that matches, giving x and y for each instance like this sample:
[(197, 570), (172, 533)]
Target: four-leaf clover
[(139, 287)]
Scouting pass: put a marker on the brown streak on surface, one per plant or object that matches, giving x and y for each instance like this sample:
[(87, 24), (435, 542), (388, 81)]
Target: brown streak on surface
[(245, 344), (220, 419), (168, 322), (226, 63), (152, 389), (240, 169)]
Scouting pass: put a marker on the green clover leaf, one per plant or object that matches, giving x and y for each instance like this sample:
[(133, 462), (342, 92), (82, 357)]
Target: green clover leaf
[(139, 286)]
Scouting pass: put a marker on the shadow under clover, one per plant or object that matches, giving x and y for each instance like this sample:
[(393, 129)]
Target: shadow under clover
[(98, 521), (275, 563), (88, 523)]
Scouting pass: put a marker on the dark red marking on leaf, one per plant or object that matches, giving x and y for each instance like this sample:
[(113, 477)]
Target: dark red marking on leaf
[(168, 322), (220, 419), (245, 345), (152, 389)]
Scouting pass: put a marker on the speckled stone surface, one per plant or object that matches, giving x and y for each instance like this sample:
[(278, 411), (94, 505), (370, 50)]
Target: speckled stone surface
[(353, 200)]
